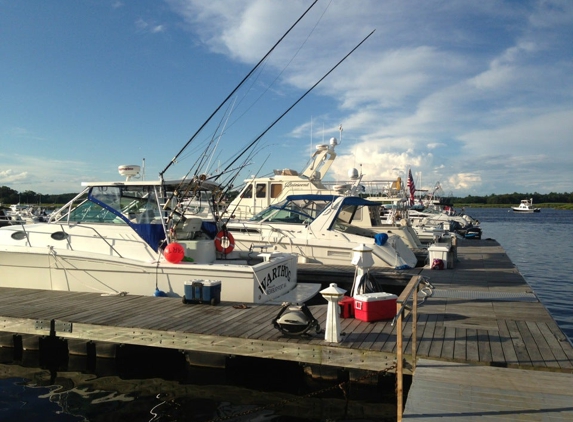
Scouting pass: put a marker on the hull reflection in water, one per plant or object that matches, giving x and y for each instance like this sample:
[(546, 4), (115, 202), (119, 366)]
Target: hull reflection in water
[(158, 385)]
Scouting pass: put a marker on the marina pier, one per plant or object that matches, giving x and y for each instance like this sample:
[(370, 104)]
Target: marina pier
[(485, 346)]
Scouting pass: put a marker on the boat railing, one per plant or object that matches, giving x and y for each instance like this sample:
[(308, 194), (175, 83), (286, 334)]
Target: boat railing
[(411, 289), (62, 234)]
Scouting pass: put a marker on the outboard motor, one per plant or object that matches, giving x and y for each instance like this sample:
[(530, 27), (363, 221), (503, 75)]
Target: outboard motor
[(295, 320)]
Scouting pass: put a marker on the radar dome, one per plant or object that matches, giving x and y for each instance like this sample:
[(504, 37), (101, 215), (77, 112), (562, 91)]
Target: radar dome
[(333, 142), (128, 171), (353, 174)]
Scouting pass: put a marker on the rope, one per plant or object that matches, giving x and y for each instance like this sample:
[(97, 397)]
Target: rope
[(59, 263)]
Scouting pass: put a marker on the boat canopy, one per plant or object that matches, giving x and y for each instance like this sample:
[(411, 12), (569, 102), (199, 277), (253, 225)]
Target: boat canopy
[(137, 205), (295, 209)]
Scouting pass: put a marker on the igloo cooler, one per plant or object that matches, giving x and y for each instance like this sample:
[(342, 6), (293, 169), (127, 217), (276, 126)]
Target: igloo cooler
[(202, 291), (375, 306)]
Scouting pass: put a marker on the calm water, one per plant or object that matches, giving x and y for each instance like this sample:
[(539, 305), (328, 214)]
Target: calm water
[(164, 388), (541, 246)]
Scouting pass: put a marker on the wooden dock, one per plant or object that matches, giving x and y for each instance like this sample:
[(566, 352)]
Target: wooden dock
[(481, 313)]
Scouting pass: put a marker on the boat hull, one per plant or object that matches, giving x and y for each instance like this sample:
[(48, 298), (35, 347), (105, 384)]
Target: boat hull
[(25, 267)]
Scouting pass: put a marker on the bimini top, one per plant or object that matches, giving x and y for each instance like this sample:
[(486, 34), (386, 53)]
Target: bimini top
[(197, 184), (303, 209)]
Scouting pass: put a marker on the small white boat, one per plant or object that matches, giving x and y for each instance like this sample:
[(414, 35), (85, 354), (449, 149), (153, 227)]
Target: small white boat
[(526, 206), (325, 229), (115, 238)]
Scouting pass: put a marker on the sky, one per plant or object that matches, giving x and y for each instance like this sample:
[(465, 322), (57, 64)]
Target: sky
[(474, 97)]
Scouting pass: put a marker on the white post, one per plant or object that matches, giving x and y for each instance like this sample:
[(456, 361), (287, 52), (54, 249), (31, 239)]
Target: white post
[(332, 294), (362, 260)]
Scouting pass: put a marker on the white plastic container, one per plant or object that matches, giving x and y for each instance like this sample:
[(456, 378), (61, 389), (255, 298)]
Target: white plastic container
[(439, 252)]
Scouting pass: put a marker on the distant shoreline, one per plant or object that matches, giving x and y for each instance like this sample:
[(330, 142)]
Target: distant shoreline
[(557, 206)]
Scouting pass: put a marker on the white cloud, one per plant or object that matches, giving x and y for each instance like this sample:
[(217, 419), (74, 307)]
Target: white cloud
[(550, 133), (8, 177), (144, 26), (65, 176)]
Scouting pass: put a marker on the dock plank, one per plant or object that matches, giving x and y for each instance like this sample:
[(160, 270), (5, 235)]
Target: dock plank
[(460, 392)]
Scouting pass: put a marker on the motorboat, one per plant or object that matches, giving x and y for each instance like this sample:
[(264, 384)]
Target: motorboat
[(126, 237), (8, 218), (325, 229), (259, 193), (5, 218), (526, 206)]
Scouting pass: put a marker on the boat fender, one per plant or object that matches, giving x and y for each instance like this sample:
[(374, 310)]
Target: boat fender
[(159, 293), (224, 237), (437, 264)]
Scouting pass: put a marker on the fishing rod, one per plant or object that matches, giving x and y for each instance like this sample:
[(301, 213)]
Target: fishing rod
[(297, 101), (174, 160)]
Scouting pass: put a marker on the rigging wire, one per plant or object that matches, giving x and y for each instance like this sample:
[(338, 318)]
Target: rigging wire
[(296, 102), (233, 92), (283, 69)]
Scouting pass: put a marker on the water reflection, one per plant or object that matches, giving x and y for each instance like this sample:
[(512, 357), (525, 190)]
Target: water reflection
[(166, 388)]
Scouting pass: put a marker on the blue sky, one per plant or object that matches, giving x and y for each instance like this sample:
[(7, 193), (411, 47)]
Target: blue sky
[(477, 96)]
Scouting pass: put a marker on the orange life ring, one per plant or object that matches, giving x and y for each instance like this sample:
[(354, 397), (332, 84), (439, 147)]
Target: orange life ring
[(223, 234)]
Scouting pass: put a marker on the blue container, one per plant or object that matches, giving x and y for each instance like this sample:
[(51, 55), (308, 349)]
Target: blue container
[(202, 291)]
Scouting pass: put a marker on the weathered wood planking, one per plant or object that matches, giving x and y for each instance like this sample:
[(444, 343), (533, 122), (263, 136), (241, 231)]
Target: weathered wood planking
[(460, 392)]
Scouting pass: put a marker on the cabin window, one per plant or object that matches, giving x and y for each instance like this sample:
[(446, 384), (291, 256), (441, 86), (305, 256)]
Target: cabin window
[(261, 190), (59, 235), (346, 214), (358, 214), (248, 192), (19, 235), (276, 189)]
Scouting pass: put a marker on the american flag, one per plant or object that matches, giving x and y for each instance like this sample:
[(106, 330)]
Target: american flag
[(411, 187)]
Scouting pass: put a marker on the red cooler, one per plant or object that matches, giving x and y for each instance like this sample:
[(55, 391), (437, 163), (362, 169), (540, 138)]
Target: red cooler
[(375, 306)]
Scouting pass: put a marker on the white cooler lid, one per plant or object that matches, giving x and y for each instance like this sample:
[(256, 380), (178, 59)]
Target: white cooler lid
[(439, 248), (372, 297), (205, 282)]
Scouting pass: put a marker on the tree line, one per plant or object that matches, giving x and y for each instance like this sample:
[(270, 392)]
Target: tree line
[(10, 196), (515, 198)]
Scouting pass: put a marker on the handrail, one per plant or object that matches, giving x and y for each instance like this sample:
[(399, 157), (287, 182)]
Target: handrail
[(62, 227), (412, 286)]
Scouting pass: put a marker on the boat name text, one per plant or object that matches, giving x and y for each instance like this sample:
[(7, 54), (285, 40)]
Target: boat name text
[(279, 272), (296, 185)]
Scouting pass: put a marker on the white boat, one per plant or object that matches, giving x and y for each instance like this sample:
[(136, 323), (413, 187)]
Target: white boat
[(8, 218), (526, 206), (122, 238), (261, 192), (325, 229)]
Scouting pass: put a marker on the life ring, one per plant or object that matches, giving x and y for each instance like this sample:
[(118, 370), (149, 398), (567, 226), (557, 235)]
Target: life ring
[(223, 234)]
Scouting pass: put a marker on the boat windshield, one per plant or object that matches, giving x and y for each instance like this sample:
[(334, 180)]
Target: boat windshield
[(117, 205), (294, 211)]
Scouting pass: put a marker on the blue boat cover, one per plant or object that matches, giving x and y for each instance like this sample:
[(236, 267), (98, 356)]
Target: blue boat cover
[(380, 238)]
